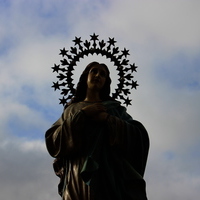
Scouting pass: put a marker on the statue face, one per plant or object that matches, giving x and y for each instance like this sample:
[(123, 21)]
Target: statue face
[(96, 77)]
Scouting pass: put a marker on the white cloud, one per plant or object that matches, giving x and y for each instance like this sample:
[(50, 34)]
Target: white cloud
[(26, 171), (166, 23)]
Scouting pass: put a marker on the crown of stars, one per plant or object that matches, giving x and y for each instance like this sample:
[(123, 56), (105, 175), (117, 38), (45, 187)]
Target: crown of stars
[(84, 48)]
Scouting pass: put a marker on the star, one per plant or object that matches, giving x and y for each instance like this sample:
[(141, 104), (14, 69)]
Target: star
[(63, 52), (127, 101), (77, 40), (112, 41), (134, 84), (125, 52), (56, 86), (133, 67), (63, 101), (56, 68), (94, 37)]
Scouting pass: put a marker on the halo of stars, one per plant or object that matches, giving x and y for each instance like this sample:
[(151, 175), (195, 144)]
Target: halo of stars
[(84, 48)]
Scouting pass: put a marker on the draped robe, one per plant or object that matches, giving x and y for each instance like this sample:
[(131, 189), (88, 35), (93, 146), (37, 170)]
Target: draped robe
[(99, 160)]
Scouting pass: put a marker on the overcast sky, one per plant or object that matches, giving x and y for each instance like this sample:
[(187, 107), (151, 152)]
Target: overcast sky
[(164, 41)]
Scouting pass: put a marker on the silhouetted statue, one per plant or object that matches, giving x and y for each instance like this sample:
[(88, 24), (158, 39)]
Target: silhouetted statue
[(100, 151)]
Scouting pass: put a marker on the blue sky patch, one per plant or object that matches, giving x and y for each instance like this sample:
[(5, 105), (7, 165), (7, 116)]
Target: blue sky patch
[(181, 71)]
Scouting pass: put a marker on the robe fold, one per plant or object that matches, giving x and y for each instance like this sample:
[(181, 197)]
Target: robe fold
[(99, 160)]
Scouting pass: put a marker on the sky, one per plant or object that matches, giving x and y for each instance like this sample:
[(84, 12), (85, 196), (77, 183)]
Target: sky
[(163, 39)]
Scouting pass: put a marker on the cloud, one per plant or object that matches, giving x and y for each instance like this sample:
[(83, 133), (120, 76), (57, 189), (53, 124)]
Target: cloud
[(172, 24), (26, 170)]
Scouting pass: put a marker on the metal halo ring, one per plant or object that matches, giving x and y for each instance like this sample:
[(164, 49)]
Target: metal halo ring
[(72, 56)]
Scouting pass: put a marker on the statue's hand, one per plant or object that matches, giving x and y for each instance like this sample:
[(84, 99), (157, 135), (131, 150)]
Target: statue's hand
[(96, 111)]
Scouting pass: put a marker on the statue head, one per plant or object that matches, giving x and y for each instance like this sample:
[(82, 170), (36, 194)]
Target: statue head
[(82, 84)]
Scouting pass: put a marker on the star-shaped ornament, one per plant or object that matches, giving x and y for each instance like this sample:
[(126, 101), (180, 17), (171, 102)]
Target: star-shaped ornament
[(112, 41), (127, 101), (56, 68), (77, 40), (63, 100), (125, 52), (56, 86), (134, 84), (94, 37), (133, 67), (63, 52)]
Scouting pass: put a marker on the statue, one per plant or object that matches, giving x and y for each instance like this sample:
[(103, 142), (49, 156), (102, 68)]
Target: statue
[(100, 151)]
